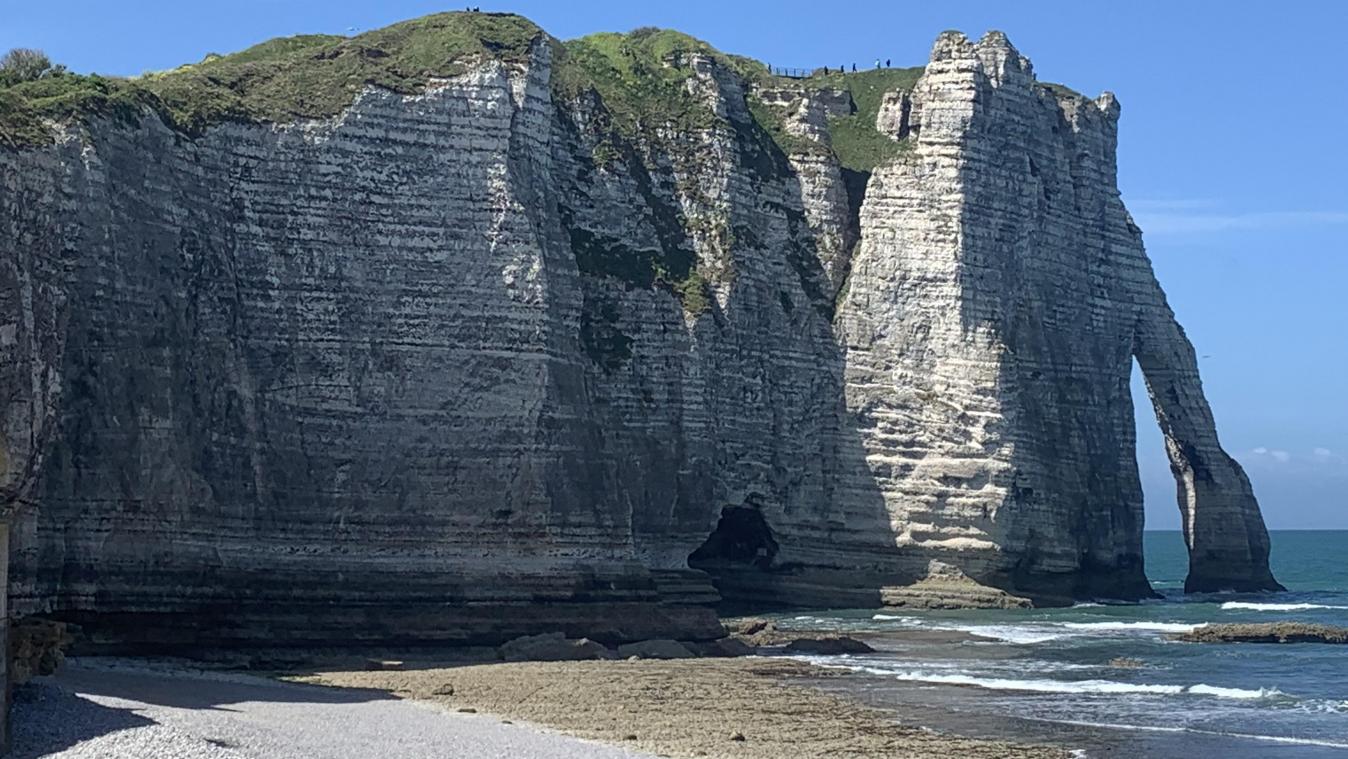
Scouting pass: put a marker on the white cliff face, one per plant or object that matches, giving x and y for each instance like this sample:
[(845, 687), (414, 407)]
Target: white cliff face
[(825, 197), (436, 360), (899, 115), (994, 309)]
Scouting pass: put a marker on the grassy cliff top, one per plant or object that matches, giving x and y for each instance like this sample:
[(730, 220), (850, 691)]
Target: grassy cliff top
[(856, 141), (307, 76), (633, 75), (315, 76), (630, 74)]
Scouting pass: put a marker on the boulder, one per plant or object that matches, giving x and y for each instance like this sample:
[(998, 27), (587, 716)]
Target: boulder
[(828, 645), (552, 647), (584, 648), (36, 647), (656, 649), (722, 647), (749, 626)]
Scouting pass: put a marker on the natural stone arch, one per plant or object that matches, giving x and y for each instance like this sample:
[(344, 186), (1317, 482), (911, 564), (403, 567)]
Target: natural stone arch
[(1223, 529)]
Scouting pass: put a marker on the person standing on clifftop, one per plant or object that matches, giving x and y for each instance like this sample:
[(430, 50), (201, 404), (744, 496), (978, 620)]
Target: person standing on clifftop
[(877, 63)]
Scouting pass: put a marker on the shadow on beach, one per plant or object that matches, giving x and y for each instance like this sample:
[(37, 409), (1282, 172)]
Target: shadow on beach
[(94, 698), (36, 733)]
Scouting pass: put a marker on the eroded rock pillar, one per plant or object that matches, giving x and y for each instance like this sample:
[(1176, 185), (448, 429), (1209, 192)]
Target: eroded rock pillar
[(1228, 544)]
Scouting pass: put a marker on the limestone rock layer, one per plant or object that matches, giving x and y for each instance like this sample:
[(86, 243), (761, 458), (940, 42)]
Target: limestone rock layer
[(470, 363)]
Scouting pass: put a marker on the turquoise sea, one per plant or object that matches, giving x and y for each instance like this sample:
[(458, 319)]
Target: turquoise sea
[(1108, 680)]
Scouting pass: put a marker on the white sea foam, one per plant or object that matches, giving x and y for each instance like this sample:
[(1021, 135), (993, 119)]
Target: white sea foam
[(901, 619), (1039, 685), (1247, 606), (1046, 631), (1322, 706), (1203, 689), (1166, 627), (1195, 731), (1014, 667), (1019, 634), (1079, 686)]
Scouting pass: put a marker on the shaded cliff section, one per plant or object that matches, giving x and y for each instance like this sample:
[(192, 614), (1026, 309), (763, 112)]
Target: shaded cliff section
[(498, 341), (34, 239), (324, 381)]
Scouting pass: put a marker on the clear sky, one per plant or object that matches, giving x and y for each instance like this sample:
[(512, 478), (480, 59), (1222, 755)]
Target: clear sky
[(1232, 158)]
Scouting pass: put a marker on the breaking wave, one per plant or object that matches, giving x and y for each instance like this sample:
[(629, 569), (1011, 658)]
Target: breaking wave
[(1045, 631), (1167, 627), (1247, 606), (1242, 693), (1084, 686), (897, 618), (1024, 635)]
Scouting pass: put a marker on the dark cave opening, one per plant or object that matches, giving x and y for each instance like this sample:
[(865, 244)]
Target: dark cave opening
[(742, 536), (855, 183)]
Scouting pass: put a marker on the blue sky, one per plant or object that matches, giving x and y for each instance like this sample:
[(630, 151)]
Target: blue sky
[(1232, 158)]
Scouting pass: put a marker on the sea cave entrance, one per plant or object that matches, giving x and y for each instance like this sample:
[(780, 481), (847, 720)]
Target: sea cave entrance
[(742, 536)]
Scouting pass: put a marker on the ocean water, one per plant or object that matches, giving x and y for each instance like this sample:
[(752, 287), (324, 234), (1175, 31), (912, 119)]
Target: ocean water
[(1108, 680)]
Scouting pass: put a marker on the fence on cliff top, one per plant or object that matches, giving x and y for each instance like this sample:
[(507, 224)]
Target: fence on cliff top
[(795, 73)]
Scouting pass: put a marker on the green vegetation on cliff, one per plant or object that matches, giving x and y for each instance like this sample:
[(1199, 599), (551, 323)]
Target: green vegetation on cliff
[(638, 77), (309, 76), (857, 143), (643, 79)]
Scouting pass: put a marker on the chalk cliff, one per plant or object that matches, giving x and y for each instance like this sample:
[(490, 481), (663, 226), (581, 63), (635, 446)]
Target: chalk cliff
[(531, 334)]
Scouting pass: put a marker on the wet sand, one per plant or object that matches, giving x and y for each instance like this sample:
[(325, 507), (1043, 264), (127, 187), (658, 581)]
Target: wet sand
[(746, 708)]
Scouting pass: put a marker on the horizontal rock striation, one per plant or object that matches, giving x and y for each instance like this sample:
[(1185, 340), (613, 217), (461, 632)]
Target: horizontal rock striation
[(492, 357), (1002, 286)]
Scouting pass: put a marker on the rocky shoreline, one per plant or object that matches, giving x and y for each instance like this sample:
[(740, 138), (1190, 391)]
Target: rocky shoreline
[(1266, 632), (750, 708), (744, 637), (745, 694), (738, 696)]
